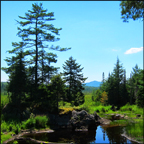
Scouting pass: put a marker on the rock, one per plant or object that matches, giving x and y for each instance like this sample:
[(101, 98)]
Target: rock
[(117, 117), (96, 116), (104, 121), (83, 120)]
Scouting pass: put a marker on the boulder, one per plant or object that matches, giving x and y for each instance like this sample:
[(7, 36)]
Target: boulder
[(83, 120)]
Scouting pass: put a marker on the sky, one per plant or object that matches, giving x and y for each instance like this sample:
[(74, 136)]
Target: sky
[(93, 29)]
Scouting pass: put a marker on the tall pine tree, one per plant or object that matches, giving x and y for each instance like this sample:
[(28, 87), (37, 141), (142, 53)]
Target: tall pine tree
[(35, 32)]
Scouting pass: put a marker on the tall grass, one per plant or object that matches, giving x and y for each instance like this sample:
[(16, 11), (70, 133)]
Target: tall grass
[(133, 109), (92, 106)]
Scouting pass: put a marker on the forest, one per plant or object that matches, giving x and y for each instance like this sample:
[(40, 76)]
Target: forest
[(35, 86)]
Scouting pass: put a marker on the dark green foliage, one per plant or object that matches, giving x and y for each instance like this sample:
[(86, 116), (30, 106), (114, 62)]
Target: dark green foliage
[(132, 10), (17, 85), (135, 86), (140, 92), (57, 91), (74, 79), (96, 95), (121, 90), (47, 71)]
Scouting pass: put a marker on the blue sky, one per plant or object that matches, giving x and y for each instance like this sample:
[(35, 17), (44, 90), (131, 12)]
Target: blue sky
[(93, 29)]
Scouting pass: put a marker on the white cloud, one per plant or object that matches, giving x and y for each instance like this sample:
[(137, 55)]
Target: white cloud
[(134, 50)]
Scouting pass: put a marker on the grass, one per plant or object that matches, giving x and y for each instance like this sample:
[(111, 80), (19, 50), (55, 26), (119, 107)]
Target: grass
[(11, 127), (7, 136), (4, 100), (119, 122)]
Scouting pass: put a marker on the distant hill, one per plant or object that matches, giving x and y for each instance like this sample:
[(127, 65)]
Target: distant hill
[(93, 84)]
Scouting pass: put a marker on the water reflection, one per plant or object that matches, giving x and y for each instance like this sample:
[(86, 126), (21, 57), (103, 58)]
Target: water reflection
[(110, 135), (100, 135)]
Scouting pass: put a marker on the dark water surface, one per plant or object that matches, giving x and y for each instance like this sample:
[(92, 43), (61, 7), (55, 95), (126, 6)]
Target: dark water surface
[(100, 135)]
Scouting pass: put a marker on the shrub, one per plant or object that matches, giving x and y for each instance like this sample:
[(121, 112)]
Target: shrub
[(30, 123), (41, 121), (4, 127)]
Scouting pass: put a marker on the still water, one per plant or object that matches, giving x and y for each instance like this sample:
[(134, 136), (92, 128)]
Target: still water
[(100, 135)]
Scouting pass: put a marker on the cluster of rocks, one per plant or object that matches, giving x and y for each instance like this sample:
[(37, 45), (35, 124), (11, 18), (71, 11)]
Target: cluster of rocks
[(76, 120)]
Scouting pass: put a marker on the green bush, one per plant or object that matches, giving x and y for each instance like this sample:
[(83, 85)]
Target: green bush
[(4, 127), (30, 123), (41, 121)]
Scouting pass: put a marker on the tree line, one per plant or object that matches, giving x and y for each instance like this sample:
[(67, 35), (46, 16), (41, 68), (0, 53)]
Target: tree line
[(32, 78), (118, 90)]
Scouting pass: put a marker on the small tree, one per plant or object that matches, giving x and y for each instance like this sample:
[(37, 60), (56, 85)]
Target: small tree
[(74, 79), (96, 95), (104, 98)]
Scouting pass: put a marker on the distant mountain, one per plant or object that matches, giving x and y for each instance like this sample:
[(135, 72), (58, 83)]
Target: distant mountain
[(93, 84)]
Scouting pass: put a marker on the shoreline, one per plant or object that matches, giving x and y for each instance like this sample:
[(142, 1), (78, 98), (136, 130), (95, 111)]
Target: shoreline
[(130, 138)]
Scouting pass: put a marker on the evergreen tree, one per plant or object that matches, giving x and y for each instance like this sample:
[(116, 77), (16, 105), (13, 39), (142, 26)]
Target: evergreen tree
[(37, 32), (18, 82), (110, 89), (123, 90), (74, 79), (118, 77), (135, 78), (140, 93)]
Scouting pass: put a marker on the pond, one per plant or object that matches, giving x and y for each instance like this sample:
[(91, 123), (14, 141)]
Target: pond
[(100, 135)]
